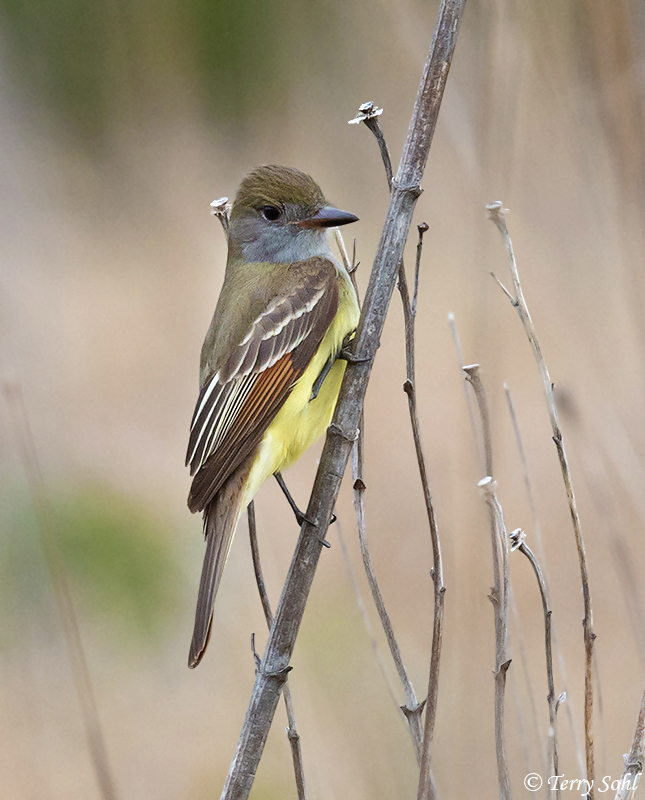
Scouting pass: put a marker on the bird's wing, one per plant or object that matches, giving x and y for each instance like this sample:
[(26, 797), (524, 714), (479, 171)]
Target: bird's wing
[(238, 402)]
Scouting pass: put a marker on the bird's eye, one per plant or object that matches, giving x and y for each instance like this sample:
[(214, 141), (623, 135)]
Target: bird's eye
[(271, 213)]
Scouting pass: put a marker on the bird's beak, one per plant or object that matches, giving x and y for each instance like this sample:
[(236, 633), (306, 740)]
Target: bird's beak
[(328, 217)]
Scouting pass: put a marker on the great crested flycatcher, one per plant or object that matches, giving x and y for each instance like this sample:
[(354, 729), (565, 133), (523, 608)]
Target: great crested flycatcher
[(269, 375)]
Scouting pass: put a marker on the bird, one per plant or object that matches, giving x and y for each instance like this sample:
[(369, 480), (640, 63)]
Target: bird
[(272, 361)]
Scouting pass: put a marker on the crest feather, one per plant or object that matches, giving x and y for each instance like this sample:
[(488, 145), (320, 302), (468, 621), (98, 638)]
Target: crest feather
[(277, 185)]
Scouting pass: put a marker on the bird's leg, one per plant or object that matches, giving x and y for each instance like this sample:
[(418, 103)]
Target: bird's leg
[(344, 355), (324, 372), (300, 517)]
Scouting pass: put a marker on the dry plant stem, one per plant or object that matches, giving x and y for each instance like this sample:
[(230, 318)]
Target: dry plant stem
[(422, 228), (426, 784), (548, 648), (500, 590), (292, 731), (62, 594), (524, 664), (343, 430), (634, 760), (412, 709), (497, 215), (542, 555)]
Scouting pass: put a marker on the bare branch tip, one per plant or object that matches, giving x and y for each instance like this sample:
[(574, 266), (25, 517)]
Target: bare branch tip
[(517, 538), (366, 111), (220, 207), (496, 211)]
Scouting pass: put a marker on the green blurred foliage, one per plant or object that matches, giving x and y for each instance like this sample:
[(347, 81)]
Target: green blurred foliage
[(92, 61), (119, 562), (59, 50)]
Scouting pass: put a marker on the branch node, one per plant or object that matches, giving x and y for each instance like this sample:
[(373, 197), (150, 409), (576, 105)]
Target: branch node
[(408, 388), (413, 711), (348, 437), (411, 188), (279, 674), (504, 667)]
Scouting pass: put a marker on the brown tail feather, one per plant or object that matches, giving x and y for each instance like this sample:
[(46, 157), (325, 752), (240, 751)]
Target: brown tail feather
[(220, 519)]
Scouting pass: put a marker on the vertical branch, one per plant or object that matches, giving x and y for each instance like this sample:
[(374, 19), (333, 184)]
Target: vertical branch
[(292, 732), (634, 759), (62, 593), (498, 216), (524, 664), (518, 543), (425, 785), (343, 430), (412, 709), (500, 591), (542, 554), (369, 115)]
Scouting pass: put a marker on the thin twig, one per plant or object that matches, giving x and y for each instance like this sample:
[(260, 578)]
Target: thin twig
[(542, 556), (62, 592), (500, 590), (634, 759), (426, 784), (292, 731), (422, 228), (524, 665), (221, 209), (518, 543), (412, 709), (343, 429), (497, 214)]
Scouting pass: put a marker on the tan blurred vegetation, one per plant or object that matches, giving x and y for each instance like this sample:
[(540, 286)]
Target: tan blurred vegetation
[(119, 123)]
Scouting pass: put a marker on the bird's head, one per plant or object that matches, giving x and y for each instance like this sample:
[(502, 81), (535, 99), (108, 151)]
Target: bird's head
[(280, 214)]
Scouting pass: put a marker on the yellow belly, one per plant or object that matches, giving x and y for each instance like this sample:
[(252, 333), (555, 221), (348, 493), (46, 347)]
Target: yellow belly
[(301, 421)]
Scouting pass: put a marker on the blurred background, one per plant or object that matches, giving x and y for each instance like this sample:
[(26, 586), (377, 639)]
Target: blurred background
[(120, 122)]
